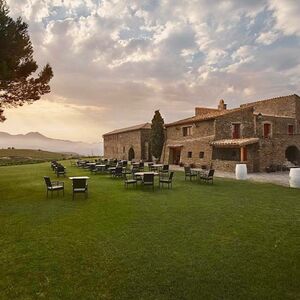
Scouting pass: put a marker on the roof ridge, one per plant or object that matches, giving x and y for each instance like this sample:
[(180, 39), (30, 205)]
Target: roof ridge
[(269, 99), (129, 128), (213, 115)]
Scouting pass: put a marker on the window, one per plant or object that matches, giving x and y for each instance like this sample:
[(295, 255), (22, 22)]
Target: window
[(290, 129), (187, 131), (123, 149), (267, 130), (201, 154), (190, 153), (236, 131)]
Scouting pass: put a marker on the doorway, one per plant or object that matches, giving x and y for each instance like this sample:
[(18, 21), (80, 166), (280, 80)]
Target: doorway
[(174, 157), (292, 154), (131, 154)]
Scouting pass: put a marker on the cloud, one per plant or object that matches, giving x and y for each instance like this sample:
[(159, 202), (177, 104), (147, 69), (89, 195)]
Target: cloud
[(132, 57), (286, 14)]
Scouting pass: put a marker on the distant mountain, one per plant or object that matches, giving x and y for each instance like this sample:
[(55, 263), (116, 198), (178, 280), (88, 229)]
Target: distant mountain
[(35, 140)]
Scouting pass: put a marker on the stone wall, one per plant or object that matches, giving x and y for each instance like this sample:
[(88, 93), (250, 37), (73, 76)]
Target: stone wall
[(223, 124), (282, 106), (118, 145), (272, 151), (199, 129)]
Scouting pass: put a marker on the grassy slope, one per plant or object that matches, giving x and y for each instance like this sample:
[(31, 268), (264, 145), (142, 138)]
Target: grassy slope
[(233, 240), (36, 154)]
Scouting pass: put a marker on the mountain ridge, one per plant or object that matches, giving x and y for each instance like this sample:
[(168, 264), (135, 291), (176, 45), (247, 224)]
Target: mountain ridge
[(36, 140)]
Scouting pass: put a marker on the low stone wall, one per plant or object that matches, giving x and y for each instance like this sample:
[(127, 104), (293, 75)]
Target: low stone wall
[(229, 166)]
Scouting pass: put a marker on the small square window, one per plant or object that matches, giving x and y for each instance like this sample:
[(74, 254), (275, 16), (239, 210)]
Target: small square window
[(186, 131), (201, 154), (190, 154), (291, 129)]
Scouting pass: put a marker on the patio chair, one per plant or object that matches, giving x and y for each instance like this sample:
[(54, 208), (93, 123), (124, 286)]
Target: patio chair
[(54, 186), (164, 171), (163, 180), (79, 185), (118, 172), (129, 181), (141, 166), (150, 165), (60, 171), (136, 177), (189, 173), (148, 180), (209, 176)]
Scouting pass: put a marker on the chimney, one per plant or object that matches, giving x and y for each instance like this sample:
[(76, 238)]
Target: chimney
[(222, 105)]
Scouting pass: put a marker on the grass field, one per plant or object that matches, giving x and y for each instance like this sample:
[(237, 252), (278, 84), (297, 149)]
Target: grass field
[(25, 156), (232, 240)]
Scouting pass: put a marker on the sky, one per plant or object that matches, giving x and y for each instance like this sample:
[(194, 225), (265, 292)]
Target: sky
[(116, 62)]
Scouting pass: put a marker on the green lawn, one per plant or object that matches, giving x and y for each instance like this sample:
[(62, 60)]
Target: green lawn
[(232, 240)]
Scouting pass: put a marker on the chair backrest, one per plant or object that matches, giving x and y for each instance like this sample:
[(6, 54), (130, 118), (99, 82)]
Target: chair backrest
[(165, 167), (187, 169), (171, 175), (79, 183), (148, 178), (118, 170), (60, 168), (134, 169), (48, 181), (211, 173), (141, 165)]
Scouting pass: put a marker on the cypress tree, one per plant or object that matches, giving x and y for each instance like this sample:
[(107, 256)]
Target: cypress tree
[(157, 134)]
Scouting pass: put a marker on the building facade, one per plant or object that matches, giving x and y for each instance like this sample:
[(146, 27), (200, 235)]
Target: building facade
[(259, 134), (131, 143)]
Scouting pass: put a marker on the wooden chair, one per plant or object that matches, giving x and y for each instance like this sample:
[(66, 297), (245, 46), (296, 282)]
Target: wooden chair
[(163, 180), (208, 177), (188, 173), (54, 186), (148, 180), (79, 185)]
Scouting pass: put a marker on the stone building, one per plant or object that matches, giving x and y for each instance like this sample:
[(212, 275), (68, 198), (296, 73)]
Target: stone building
[(260, 134), (131, 143)]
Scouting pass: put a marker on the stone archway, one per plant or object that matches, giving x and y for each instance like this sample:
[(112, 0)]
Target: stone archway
[(292, 154), (131, 154)]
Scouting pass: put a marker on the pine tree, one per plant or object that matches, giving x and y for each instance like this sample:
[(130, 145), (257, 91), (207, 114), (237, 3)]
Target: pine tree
[(17, 86), (157, 135)]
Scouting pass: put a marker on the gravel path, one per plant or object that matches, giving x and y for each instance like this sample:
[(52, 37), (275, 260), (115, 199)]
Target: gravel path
[(280, 178)]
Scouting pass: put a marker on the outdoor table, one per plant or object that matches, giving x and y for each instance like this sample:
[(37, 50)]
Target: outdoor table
[(100, 166), (157, 166), (143, 173), (91, 164), (79, 177), (199, 171)]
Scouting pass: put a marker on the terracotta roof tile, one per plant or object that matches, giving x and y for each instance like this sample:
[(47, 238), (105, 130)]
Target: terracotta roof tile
[(131, 128), (208, 116), (235, 142)]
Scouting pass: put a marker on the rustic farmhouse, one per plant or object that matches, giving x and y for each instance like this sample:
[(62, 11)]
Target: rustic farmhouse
[(131, 143), (260, 134)]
